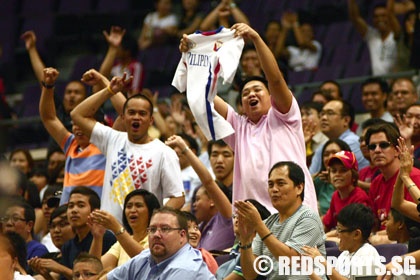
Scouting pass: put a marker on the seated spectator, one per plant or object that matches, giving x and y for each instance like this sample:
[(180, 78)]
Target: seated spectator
[(190, 17), (225, 14), (194, 237), (409, 126), (82, 202), (158, 26), (86, 266), (19, 260), (20, 218), (222, 160), (9, 260), (383, 141), (320, 96), (22, 160), (231, 269), (402, 229), (49, 265), (374, 94), (324, 189), (343, 175), (354, 225), (403, 94), (132, 236), (380, 37), (40, 178), (337, 119), (283, 233), (211, 206), (312, 128), (41, 227), (332, 88), (368, 173), (307, 54), (169, 257)]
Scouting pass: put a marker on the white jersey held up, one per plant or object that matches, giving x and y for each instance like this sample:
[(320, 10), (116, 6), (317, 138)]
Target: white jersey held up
[(211, 54)]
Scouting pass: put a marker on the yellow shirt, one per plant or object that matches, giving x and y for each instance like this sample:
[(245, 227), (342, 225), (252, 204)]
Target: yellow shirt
[(118, 251)]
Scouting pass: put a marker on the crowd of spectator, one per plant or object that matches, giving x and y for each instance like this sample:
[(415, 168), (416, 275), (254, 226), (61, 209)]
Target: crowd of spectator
[(230, 166)]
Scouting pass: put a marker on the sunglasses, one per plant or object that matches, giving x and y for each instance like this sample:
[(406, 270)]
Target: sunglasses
[(383, 145)]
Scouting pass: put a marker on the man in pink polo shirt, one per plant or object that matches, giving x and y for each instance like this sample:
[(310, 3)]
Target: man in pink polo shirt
[(270, 131)]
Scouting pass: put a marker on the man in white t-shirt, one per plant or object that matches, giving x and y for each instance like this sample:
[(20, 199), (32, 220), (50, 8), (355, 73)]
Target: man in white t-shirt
[(133, 159), (380, 38)]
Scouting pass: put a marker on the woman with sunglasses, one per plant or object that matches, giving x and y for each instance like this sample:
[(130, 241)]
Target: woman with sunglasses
[(132, 237)]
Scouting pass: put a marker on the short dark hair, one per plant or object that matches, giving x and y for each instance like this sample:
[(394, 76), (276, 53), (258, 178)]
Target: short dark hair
[(94, 200), (371, 122), (252, 78), (347, 110), (212, 143), (191, 141), (262, 210), (390, 129), (29, 211), (340, 92), (295, 174), (376, 80), (312, 105), (151, 201), (343, 146), (410, 81), (60, 210), (85, 257), (182, 220), (19, 247), (139, 96), (190, 217), (357, 216)]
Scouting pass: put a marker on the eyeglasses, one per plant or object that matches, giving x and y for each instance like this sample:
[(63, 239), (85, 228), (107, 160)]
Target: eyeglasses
[(383, 145), (13, 218), (162, 230), (328, 113), (342, 230), (84, 275)]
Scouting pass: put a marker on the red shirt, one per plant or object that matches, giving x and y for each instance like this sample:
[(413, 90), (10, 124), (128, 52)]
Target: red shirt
[(337, 203), (368, 173), (381, 193)]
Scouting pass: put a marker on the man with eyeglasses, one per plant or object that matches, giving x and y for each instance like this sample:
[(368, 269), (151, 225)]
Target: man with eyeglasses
[(403, 94), (337, 117), (381, 141), (20, 218), (169, 256)]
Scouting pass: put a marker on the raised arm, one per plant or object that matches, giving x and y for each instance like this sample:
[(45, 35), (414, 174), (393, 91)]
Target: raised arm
[(237, 13), (113, 38), (398, 201), (303, 41), (276, 83), (212, 19), (355, 17), (220, 200), (37, 64), (83, 114), (393, 20), (105, 219), (47, 107)]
